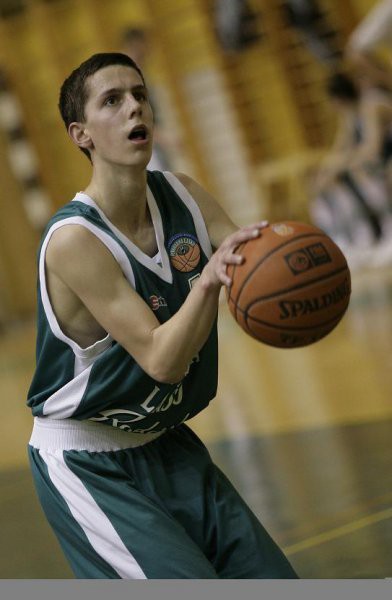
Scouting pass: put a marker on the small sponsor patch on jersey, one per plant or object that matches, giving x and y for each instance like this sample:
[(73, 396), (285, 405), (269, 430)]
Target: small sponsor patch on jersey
[(184, 252), (157, 302), (282, 229)]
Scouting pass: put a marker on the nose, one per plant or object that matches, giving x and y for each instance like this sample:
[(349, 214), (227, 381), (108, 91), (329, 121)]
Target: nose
[(134, 106)]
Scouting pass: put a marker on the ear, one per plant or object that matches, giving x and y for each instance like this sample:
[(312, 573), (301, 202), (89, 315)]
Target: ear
[(80, 135)]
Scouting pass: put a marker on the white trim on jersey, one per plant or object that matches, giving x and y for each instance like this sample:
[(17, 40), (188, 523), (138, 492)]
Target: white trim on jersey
[(194, 209), (163, 271), (91, 352), (90, 517), (63, 403)]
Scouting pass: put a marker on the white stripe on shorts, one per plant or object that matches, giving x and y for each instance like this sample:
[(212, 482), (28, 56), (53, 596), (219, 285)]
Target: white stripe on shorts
[(95, 524)]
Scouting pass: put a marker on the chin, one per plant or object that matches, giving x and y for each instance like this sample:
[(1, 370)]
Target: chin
[(139, 165), (130, 162), (137, 159)]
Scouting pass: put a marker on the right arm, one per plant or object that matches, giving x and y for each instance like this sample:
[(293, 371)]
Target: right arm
[(164, 351)]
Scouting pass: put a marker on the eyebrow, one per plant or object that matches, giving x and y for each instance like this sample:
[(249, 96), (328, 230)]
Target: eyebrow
[(135, 88)]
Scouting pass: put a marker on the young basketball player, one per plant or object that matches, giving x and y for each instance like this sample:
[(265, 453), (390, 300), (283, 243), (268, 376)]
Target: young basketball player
[(129, 278)]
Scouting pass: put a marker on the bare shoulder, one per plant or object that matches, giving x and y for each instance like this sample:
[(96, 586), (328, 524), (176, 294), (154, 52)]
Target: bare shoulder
[(218, 222), (65, 243), (65, 237), (73, 250)]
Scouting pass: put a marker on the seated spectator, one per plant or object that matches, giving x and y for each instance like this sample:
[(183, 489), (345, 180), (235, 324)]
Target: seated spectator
[(356, 172)]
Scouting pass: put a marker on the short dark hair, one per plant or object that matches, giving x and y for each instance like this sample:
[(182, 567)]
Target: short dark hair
[(342, 87), (74, 93)]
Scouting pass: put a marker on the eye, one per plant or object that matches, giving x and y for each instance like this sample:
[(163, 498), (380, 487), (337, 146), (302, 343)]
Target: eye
[(140, 96), (110, 101)]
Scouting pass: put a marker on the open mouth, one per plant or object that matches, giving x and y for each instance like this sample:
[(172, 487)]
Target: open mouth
[(138, 133)]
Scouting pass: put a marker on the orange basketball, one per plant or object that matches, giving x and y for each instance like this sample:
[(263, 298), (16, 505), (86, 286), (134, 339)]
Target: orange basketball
[(293, 287)]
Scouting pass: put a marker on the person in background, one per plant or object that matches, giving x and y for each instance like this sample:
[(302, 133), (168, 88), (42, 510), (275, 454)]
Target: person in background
[(374, 33), (358, 168)]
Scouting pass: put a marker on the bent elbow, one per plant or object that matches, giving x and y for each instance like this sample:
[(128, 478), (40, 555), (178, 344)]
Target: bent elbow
[(165, 366), (168, 375)]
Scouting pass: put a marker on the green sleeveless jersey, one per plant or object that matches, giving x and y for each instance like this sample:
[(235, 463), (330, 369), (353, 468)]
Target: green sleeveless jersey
[(103, 382)]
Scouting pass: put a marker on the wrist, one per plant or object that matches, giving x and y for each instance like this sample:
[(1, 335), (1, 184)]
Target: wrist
[(208, 284)]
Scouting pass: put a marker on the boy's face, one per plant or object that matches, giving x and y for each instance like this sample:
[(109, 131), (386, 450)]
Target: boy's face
[(118, 117)]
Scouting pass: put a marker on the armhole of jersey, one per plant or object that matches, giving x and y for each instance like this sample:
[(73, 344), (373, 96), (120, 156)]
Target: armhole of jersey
[(194, 209), (119, 255)]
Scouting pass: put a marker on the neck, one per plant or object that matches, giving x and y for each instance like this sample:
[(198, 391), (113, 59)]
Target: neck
[(120, 193)]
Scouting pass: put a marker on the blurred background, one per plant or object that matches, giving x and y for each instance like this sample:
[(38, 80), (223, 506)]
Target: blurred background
[(245, 103)]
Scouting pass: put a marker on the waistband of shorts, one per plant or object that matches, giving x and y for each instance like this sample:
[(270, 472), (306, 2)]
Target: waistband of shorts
[(70, 434)]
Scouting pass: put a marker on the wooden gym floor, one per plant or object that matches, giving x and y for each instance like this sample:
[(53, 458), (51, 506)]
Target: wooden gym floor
[(304, 434)]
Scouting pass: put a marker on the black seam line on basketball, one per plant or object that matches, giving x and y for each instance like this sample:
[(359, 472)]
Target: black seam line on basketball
[(300, 237), (297, 287), (290, 328), (239, 247)]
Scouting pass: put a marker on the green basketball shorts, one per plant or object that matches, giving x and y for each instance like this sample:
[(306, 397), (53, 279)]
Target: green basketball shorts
[(146, 506)]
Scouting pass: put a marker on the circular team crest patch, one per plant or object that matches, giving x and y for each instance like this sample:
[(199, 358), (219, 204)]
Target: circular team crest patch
[(184, 252)]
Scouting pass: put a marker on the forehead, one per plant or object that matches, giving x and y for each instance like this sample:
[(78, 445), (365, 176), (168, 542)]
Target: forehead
[(113, 76)]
